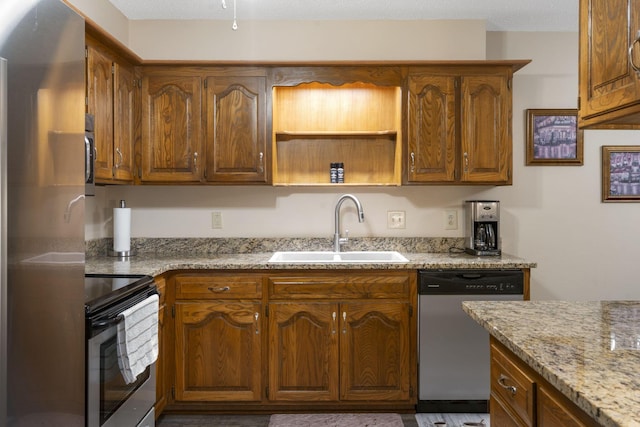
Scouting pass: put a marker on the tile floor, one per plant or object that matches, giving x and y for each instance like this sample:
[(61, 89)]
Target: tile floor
[(409, 420), (169, 420)]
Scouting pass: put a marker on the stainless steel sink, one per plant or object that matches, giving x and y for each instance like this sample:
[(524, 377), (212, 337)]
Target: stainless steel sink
[(318, 257)]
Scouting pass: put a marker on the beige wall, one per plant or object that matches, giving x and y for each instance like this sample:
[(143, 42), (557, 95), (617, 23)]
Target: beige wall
[(309, 40), (551, 214)]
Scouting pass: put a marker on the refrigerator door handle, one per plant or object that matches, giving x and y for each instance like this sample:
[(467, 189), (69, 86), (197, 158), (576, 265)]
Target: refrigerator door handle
[(3, 236)]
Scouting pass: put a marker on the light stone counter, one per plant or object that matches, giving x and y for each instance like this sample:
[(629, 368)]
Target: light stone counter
[(157, 264), (158, 255), (589, 351)]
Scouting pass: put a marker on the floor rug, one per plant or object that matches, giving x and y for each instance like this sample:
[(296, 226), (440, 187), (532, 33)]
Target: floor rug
[(335, 420), (452, 420)]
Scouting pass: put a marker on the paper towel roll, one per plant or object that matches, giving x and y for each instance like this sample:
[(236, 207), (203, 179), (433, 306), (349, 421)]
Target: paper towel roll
[(121, 229)]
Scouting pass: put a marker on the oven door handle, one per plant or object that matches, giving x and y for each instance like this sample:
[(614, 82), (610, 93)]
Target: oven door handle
[(112, 321)]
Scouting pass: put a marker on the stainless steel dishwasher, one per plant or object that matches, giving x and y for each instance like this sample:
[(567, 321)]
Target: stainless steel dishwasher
[(454, 373)]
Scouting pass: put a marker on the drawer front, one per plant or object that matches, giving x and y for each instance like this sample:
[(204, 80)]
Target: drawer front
[(219, 286), (512, 385), (325, 286)]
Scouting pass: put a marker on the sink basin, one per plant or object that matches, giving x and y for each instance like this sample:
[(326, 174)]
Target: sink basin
[(315, 257), (57, 258)]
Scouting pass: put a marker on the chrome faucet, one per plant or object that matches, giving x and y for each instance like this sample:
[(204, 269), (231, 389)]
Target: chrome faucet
[(337, 240)]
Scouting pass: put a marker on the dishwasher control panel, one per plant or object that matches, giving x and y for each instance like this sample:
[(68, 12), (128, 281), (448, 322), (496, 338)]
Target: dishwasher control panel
[(470, 282)]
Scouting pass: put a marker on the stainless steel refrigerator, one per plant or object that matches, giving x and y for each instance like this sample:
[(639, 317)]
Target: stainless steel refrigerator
[(42, 94)]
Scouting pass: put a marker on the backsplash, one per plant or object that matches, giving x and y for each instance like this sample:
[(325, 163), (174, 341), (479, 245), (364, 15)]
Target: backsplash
[(194, 246)]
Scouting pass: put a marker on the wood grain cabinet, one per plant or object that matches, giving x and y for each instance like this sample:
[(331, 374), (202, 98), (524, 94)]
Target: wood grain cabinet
[(236, 129), (163, 363), (218, 337), (113, 99), (609, 86), (520, 397), (459, 126), (171, 149), (341, 338)]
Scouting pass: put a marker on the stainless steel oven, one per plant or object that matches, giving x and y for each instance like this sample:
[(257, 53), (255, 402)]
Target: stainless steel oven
[(111, 402)]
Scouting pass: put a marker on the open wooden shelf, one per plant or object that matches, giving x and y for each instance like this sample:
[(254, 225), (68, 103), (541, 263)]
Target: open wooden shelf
[(355, 124)]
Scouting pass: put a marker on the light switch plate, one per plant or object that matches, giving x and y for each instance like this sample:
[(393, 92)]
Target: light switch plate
[(396, 219)]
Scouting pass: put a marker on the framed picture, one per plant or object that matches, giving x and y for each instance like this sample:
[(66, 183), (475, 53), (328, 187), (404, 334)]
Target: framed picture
[(553, 137), (620, 173)]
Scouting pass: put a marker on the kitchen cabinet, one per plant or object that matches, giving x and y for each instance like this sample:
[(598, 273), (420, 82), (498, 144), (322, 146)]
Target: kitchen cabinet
[(218, 337), (342, 338), (112, 98), (459, 126), (357, 124), (609, 77), (236, 127), (163, 363), (521, 397), (171, 149)]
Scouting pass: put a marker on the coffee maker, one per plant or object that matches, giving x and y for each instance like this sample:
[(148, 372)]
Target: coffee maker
[(482, 227)]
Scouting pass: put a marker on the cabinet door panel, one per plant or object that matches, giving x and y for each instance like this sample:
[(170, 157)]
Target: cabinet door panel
[(374, 351), (171, 129), (303, 351), (124, 127), (432, 128), (100, 104), (607, 80), (236, 129), (218, 356), (486, 129)]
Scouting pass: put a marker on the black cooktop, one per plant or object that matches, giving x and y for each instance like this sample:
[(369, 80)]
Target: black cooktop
[(102, 290)]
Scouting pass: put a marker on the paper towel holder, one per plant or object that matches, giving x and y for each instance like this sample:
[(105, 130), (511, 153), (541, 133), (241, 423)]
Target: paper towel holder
[(121, 255)]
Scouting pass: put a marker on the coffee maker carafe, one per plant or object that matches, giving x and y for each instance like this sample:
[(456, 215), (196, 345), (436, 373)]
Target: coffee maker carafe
[(482, 227)]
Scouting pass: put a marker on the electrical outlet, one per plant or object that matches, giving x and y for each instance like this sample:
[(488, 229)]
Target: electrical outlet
[(216, 219), (395, 219), (451, 219)]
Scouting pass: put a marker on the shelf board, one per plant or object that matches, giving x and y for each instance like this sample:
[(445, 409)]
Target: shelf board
[(337, 133)]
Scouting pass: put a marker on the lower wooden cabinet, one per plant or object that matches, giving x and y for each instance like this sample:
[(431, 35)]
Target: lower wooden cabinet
[(252, 341), (521, 397)]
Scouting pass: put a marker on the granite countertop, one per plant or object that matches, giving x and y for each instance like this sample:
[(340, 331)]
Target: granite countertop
[(589, 351), (155, 264)]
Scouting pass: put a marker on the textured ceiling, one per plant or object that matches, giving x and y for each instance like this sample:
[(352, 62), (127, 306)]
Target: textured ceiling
[(500, 15)]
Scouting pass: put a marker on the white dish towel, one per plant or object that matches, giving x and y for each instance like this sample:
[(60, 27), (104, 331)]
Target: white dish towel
[(138, 338)]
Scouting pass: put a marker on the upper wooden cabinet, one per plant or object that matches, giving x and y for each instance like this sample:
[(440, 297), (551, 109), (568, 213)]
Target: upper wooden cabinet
[(609, 51), (112, 95), (236, 128), (459, 126), (171, 127)]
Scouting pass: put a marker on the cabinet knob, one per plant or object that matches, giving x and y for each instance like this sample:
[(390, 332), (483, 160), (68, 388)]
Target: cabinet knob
[(195, 161), (633, 44), (261, 162), (344, 322), (256, 316), (466, 161), (218, 290), (334, 316), (413, 161)]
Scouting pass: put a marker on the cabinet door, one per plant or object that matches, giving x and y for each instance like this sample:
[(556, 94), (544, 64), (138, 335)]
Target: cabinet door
[(303, 351), (374, 358), (124, 126), (218, 351), (486, 129), (236, 129), (607, 80), (431, 115), (555, 410), (171, 129), (100, 104)]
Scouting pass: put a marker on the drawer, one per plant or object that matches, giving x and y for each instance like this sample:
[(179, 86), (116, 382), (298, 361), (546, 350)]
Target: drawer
[(219, 286), (340, 286), (512, 385)]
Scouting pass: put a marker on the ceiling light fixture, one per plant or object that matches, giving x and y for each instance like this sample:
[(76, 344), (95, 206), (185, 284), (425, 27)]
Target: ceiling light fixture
[(235, 21)]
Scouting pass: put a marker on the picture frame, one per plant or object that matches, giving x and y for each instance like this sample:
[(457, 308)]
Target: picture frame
[(553, 137), (621, 173)]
